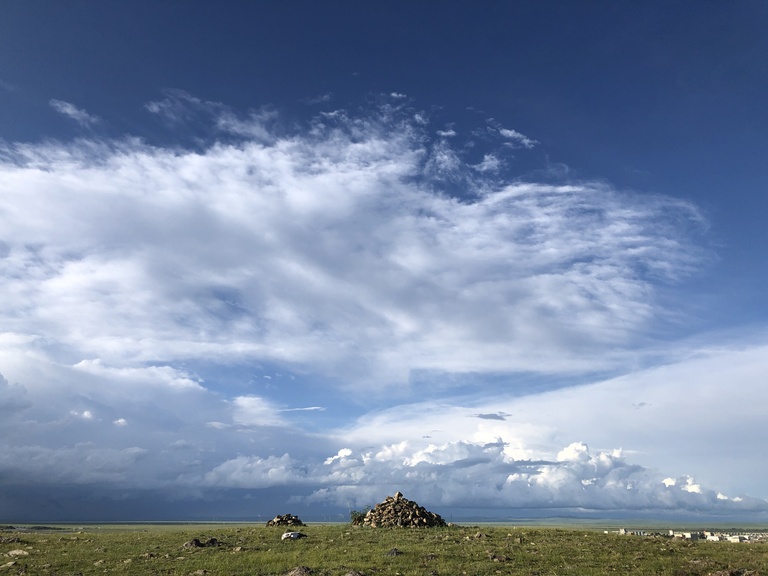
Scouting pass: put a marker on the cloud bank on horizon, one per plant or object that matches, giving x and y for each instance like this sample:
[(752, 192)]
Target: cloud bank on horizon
[(377, 258)]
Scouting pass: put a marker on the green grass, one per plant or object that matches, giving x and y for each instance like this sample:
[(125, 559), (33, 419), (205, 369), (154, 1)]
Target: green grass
[(337, 549)]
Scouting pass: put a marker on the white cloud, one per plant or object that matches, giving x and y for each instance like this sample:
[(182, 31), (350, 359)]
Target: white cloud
[(538, 455), (364, 256), (687, 427), (71, 111), (468, 475), (340, 455), (516, 136), (255, 472), (253, 410), (490, 163), (322, 249), (151, 374)]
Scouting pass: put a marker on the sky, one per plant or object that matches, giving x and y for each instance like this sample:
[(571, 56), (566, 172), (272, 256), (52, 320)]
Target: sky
[(507, 259)]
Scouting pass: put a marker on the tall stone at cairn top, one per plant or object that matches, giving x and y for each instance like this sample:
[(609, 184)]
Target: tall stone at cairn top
[(399, 511)]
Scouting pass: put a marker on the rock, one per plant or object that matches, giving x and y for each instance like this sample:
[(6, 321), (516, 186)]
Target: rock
[(17, 553), (285, 520), (399, 511), (196, 543), (300, 571), (292, 536)]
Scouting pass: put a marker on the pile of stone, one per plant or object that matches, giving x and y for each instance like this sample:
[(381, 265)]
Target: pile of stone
[(196, 543), (285, 520), (399, 511)]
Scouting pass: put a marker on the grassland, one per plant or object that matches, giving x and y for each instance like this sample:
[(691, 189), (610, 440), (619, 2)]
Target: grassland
[(340, 550)]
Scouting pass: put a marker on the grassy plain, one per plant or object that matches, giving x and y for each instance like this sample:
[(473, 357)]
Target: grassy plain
[(340, 550)]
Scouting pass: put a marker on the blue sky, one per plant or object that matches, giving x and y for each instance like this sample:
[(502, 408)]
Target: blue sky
[(262, 258)]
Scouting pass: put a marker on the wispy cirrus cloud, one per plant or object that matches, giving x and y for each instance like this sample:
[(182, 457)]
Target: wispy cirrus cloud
[(330, 248), (69, 110), (516, 136)]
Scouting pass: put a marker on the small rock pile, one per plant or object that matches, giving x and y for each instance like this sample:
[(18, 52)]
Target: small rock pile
[(285, 520), (399, 511), (196, 543)]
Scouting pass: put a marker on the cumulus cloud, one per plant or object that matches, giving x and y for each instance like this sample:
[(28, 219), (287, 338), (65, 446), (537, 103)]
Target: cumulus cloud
[(255, 472), (13, 398), (688, 426), (69, 110), (473, 475)]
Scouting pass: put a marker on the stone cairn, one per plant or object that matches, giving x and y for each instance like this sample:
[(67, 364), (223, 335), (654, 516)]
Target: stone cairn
[(399, 511), (285, 520)]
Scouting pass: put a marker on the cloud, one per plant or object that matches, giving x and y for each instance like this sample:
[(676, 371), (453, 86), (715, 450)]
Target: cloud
[(253, 410), (149, 291), (490, 163), (8, 86), (469, 475), (154, 374), (85, 414), (516, 136), (496, 416), (476, 457), (320, 98), (255, 472), (687, 425), (71, 111), (328, 248), (13, 398), (49, 466)]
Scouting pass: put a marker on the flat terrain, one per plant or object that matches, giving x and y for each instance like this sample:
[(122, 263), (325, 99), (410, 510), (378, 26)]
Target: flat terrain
[(341, 550)]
